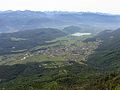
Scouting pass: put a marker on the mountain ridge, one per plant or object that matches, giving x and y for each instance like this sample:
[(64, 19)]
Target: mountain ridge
[(23, 20)]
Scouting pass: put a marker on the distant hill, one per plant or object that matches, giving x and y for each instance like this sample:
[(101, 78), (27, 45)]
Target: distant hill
[(72, 29), (24, 40), (80, 29), (12, 21)]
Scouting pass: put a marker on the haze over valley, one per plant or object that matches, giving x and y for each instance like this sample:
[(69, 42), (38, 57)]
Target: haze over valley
[(26, 20)]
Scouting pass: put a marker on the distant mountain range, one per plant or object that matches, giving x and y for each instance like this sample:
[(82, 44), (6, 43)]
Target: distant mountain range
[(12, 21)]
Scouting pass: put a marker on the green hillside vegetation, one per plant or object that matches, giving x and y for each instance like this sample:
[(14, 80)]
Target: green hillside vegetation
[(68, 48), (107, 55), (24, 40), (65, 63)]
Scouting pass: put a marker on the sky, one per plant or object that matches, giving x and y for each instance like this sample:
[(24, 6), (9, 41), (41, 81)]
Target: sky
[(103, 6)]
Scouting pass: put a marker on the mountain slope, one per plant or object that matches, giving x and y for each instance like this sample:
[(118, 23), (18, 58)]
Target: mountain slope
[(23, 40), (72, 29), (107, 55)]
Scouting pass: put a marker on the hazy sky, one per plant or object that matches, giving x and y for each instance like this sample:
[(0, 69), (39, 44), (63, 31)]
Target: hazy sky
[(105, 6)]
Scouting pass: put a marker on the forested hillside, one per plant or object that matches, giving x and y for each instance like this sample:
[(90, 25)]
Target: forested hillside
[(65, 62), (24, 40)]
